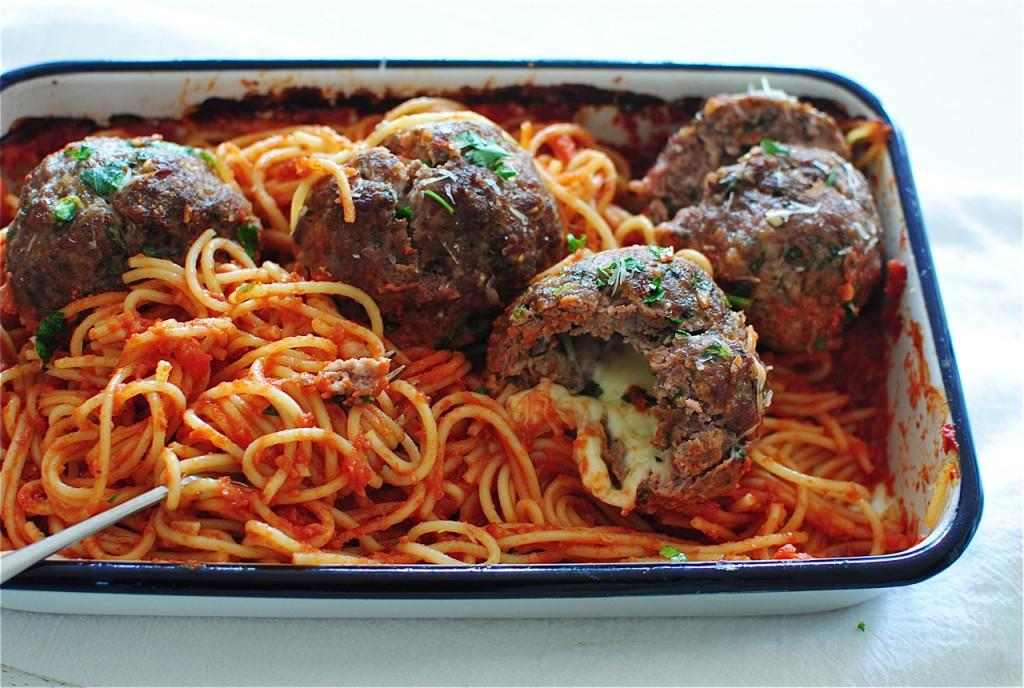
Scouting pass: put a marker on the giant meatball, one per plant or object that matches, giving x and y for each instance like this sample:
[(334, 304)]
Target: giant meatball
[(87, 208), (451, 221), (724, 129), (697, 372), (794, 238)]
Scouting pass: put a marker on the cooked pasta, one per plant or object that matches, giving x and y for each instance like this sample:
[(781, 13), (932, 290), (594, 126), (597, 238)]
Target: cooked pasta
[(318, 442)]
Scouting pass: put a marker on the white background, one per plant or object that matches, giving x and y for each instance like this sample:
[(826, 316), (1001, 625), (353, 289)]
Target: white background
[(950, 76)]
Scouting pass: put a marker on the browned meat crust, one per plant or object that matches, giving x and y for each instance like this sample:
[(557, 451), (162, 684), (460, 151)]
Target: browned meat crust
[(794, 238), (440, 241), (726, 128), (709, 382), (89, 207)]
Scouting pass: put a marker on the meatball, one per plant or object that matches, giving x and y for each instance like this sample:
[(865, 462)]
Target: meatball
[(794, 238), (725, 128), (451, 221), (87, 208), (651, 338)]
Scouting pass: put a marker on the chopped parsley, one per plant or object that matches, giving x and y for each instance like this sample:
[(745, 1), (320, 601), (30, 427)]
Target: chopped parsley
[(208, 157), (519, 312), (113, 498), (106, 179), (82, 153), (660, 251), (794, 254), (249, 238), (66, 208), (771, 147), (483, 152), (444, 204), (672, 554), (46, 335), (655, 292), (449, 337), (737, 301), (270, 411), (113, 233), (862, 627), (720, 351), (576, 244), (615, 273), (830, 180), (150, 252), (403, 213), (592, 389)]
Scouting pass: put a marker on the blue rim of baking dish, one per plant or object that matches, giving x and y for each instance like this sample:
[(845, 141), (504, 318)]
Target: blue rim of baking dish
[(511, 581)]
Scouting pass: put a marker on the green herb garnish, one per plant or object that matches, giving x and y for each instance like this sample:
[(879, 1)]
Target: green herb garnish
[(271, 411), (720, 351), (113, 497), (249, 238), (655, 293), (113, 233), (830, 180), (403, 213), (736, 301), (444, 204), (862, 627), (576, 244), (150, 252), (672, 554), (659, 251), (208, 157), (614, 274), (82, 153), (479, 150), (66, 208), (46, 335), (771, 147), (106, 179), (592, 389)]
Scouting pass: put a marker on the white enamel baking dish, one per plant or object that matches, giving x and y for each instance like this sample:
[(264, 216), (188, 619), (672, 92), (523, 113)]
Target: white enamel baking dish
[(99, 90)]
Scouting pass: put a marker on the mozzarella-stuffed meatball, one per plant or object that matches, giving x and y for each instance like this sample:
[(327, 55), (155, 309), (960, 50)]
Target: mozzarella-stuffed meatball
[(451, 221), (86, 209), (724, 129), (794, 237), (639, 346)]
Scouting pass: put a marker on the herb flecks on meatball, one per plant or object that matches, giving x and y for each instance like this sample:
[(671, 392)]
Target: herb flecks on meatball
[(724, 129), (86, 209), (640, 346), (795, 240), (452, 220)]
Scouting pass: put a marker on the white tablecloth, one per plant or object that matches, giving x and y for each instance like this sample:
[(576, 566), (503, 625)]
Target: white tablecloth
[(950, 76)]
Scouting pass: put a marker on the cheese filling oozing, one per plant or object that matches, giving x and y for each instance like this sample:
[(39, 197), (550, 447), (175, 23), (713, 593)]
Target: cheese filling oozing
[(620, 374)]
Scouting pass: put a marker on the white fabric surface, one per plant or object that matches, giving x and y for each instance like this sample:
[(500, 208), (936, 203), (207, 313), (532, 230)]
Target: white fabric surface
[(936, 66)]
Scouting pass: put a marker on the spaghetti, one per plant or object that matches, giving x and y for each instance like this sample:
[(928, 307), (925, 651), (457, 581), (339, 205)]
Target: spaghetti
[(319, 443)]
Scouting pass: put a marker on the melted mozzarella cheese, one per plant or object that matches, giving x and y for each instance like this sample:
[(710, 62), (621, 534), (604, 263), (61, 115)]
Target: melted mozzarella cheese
[(617, 370)]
